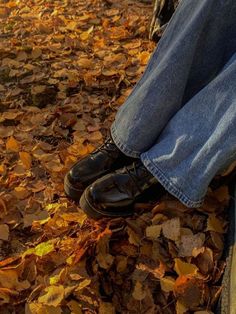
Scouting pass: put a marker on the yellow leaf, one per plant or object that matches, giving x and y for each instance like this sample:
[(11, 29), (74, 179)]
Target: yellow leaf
[(139, 292), (167, 284), (25, 159), (215, 224), (75, 217), (153, 232), (183, 268), (53, 297), (43, 248), (71, 26), (83, 284), (12, 145), (85, 35), (37, 308), (4, 232), (180, 308)]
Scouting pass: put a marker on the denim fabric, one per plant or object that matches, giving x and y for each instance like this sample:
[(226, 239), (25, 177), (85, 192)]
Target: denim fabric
[(180, 118)]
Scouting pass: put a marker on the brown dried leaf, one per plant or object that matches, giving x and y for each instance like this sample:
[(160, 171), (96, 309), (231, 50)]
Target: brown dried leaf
[(171, 229), (139, 292), (4, 232)]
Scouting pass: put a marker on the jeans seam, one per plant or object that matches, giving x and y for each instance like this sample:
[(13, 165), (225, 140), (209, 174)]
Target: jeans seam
[(167, 184)]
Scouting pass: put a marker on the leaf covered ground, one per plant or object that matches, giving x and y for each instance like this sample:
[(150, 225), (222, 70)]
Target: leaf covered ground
[(66, 67)]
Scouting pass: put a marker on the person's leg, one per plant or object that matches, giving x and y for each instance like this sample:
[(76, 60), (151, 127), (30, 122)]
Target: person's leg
[(189, 55), (199, 141)]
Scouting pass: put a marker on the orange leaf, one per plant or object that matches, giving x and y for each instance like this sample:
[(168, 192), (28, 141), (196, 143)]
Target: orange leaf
[(183, 268), (26, 159), (12, 145)]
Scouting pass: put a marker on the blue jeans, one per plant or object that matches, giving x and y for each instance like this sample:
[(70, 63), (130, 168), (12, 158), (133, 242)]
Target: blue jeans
[(180, 118)]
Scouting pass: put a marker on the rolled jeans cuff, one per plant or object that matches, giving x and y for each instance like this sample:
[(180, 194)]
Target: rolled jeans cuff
[(120, 144), (168, 184)]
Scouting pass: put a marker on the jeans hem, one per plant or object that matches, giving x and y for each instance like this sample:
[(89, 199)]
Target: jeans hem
[(167, 184), (122, 147)]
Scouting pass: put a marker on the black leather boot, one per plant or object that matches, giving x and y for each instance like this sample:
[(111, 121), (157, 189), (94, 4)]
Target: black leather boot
[(105, 159), (115, 194)]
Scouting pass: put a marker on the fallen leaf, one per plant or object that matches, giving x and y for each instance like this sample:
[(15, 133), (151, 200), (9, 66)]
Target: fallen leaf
[(215, 224), (37, 308), (189, 291), (189, 242), (183, 268), (53, 296), (106, 308), (12, 145), (43, 248), (139, 292), (75, 307), (21, 192), (153, 232), (26, 159), (180, 308), (167, 284), (171, 229), (4, 232)]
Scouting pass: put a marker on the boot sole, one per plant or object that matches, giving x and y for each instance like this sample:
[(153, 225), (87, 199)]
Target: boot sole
[(95, 213)]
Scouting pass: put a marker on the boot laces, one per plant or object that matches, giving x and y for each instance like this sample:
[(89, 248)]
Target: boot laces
[(108, 146), (136, 176)]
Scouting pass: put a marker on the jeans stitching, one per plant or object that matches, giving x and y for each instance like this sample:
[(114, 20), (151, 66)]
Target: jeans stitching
[(170, 187)]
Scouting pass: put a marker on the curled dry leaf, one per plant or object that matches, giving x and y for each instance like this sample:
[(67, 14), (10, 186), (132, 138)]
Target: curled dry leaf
[(183, 268)]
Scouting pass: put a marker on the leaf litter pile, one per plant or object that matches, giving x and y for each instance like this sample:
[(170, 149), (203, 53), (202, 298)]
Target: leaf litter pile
[(66, 67)]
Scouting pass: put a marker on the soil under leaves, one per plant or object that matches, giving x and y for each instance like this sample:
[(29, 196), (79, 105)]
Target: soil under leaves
[(66, 67)]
